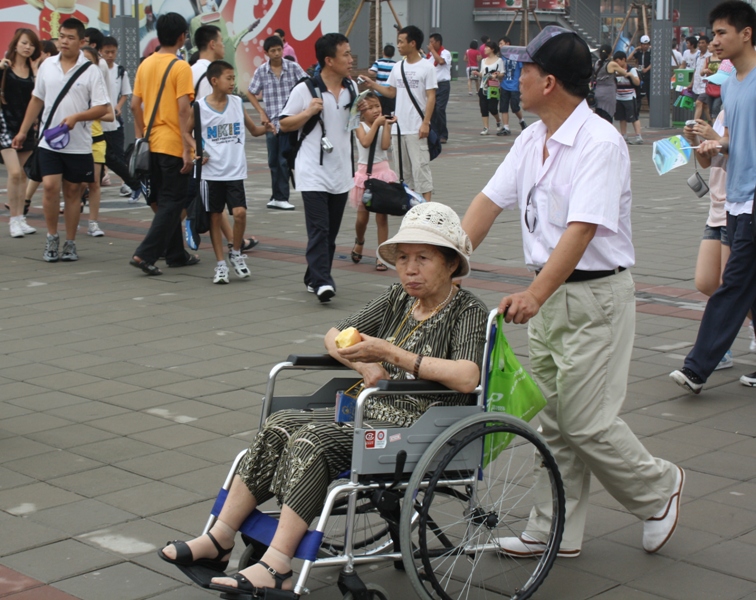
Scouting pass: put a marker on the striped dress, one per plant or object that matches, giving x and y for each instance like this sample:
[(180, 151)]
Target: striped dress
[(298, 453)]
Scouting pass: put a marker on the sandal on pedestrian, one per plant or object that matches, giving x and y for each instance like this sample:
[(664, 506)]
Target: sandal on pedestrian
[(356, 256), (146, 267), (200, 570), (379, 266), (192, 260), (245, 587)]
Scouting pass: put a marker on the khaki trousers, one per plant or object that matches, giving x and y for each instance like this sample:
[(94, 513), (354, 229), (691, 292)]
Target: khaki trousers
[(580, 347)]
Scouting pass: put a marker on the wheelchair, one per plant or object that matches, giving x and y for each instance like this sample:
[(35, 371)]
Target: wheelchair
[(434, 498)]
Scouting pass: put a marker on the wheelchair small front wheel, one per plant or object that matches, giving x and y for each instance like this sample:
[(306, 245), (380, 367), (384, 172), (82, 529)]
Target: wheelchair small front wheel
[(375, 591), (476, 484)]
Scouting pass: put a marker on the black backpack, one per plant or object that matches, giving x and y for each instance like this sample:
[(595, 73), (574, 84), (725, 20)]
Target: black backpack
[(290, 142)]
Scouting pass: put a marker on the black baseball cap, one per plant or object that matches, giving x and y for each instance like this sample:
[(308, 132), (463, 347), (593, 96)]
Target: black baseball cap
[(558, 51)]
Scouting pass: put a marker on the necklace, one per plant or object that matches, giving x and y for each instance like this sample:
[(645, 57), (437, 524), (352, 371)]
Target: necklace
[(415, 304)]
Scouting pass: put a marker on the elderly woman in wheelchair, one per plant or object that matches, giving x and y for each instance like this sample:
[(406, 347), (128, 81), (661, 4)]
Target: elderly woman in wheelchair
[(424, 327)]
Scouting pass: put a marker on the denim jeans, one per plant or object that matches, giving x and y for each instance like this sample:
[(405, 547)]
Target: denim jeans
[(323, 213), (279, 168), (438, 118), (728, 306)]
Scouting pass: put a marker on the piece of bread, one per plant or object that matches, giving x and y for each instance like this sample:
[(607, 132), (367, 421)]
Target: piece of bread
[(349, 337)]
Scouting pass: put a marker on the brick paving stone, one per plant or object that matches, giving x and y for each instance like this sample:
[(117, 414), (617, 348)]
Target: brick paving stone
[(60, 560), (125, 581)]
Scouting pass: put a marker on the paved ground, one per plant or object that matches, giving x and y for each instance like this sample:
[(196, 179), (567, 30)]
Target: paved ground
[(123, 398)]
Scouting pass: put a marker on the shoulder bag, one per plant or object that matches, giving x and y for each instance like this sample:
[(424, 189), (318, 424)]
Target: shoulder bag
[(138, 154), (381, 196), (31, 168), (434, 142)]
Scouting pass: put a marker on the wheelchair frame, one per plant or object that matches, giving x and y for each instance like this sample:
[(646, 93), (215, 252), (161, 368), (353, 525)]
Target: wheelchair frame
[(402, 449)]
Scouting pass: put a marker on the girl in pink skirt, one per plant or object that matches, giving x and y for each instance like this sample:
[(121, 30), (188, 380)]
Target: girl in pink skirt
[(372, 125)]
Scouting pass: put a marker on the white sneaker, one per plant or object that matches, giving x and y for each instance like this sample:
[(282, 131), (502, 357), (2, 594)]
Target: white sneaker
[(105, 181), (325, 293), (752, 346), (124, 191), (485, 131), (658, 530), (281, 205), (725, 362), (526, 546), (94, 229), (15, 228), (25, 227), (221, 274), (239, 264)]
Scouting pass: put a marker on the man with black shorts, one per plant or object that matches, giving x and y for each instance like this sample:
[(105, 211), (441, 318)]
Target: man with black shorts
[(69, 163)]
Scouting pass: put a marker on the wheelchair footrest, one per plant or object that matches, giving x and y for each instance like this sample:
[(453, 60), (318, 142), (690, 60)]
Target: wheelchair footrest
[(268, 594)]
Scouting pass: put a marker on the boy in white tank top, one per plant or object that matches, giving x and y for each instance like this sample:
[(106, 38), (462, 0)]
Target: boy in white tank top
[(224, 164)]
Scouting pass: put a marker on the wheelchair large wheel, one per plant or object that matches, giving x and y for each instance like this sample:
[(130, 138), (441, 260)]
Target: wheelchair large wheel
[(463, 497), (371, 532)]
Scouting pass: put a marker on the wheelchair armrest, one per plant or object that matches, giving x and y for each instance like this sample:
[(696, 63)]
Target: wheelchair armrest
[(408, 386), (314, 360)]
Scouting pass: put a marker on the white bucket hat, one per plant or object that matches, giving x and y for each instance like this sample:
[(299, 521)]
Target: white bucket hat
[(430, 223)]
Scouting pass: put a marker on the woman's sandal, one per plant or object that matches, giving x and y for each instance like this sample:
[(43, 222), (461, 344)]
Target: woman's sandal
[(146, 267), (245, 587), (184, 556), (356, 256), (379, 266)]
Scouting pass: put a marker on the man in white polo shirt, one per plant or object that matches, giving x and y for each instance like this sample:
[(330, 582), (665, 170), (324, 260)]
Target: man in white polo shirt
[(569, 174), (72, 164), (441, 59)]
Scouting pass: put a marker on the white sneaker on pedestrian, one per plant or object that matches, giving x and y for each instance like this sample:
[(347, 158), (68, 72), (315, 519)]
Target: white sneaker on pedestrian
[(221, 274), (94, 229), (25, 227), (15, 228), (484, 131), (325, 293), (239, 264), (658, 530), (725, 362), (124, 191), (526, 546), (752, 346), (105, 181), (281, 205)]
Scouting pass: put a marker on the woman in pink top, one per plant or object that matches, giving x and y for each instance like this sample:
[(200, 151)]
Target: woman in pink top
[(473, 60)]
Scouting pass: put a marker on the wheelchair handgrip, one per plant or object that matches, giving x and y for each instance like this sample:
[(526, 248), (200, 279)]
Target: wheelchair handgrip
[(314, 360), (409, 386)]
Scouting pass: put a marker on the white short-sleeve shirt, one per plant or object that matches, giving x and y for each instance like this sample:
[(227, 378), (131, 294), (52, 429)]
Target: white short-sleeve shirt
[(421, 77), (88, 90), (334, 176), (586, 178), (198, 70), (443, 72), (119, 86)]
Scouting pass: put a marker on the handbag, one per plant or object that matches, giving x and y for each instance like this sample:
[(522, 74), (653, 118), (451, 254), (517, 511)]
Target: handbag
[(509, 389), (434, 142), (713, 90), (384, 197), (138, 153), (31, 167)]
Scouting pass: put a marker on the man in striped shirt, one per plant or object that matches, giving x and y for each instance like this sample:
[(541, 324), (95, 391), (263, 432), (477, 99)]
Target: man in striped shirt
[(275, 79), (381, 70)]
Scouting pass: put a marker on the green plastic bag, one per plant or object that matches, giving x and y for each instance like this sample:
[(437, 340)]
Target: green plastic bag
[(510, 389)]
